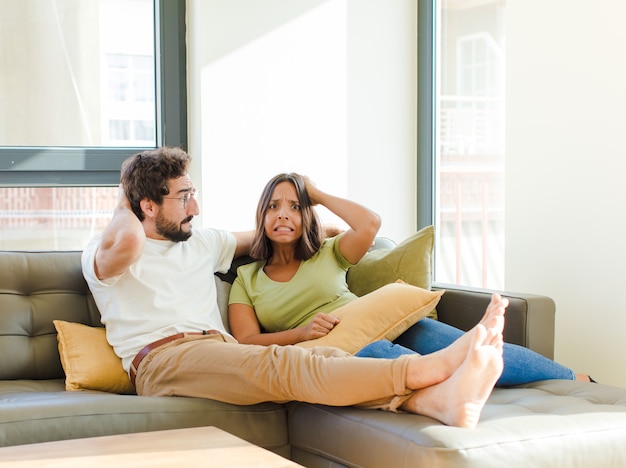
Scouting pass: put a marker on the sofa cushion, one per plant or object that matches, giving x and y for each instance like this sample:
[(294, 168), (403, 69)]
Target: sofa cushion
[(385, 313), (223, 291), (35, 288), (34, 411), (89, 361), (544, 424), (410, 261)]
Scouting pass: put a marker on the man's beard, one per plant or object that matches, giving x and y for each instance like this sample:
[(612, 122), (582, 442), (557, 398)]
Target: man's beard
[(170, 230)]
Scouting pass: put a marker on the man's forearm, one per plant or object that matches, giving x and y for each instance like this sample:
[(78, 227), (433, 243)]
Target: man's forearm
[(244, 242)]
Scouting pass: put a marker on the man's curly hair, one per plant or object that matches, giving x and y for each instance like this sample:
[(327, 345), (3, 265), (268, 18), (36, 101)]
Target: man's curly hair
[(145, 175)]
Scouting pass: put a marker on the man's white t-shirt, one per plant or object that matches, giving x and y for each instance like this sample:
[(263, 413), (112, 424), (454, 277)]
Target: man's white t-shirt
[(170, 289)]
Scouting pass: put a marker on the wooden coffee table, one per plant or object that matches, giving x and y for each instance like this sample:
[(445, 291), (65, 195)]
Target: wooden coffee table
[(198, 446)]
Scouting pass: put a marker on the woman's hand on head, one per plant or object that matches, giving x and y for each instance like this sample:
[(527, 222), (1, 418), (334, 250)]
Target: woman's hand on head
[(320, 326), (363, 223), (311, 190)]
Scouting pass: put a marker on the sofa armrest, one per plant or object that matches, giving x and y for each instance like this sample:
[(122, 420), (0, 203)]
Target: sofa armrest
[(529, 317)]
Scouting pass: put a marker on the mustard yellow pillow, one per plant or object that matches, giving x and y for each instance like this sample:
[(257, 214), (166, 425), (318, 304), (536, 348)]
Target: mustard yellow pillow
[(89, 361), (385, 313), (411, 261)]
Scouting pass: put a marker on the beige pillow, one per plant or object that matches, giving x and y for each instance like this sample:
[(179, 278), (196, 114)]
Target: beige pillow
[(382, 314), (89, 361), (411, 261)]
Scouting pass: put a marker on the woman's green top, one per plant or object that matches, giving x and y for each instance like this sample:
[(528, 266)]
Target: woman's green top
[(319, 285)]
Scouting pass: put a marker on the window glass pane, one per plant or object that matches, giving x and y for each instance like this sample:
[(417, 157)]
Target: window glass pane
[(144, 130), (119, 129), (53, 218), (69, 68), (469, 162)]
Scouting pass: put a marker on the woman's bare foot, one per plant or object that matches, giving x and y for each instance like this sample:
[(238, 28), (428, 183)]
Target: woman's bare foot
[(492, 319), (440, 365), (459, 400), (495, 309)]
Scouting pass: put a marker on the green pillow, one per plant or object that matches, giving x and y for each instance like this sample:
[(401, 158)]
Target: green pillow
[(410, 261)]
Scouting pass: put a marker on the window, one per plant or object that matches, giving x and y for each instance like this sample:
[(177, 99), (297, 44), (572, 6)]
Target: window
[(461, 158), (53, 218), (128, 115), (84, 85)]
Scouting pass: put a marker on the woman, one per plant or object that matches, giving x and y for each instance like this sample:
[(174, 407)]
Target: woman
[(289, 294)]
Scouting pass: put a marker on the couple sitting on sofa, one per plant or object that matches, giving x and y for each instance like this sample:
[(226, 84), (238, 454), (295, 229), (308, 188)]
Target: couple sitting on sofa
[(153, 284), (290, 294)]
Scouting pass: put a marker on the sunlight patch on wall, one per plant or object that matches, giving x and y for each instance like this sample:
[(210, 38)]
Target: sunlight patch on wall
[(277, 104)]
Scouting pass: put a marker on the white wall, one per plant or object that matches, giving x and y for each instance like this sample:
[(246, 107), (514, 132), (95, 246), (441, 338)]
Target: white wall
[(565, 170), (326, 88), (382, 111)]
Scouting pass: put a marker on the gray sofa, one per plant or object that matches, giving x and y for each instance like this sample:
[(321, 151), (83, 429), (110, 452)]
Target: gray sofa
[(550, 423)]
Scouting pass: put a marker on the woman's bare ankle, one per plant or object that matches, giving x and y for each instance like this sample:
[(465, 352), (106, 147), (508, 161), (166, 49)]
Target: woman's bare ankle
[(426, 370)]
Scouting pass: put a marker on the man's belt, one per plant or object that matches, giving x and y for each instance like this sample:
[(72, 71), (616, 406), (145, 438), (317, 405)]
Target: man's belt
[(155, 344)]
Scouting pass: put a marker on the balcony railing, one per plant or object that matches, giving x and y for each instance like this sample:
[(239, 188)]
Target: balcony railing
[(470, 192)]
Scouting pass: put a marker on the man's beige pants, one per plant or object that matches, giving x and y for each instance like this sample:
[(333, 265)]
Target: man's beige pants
[(218, 368)]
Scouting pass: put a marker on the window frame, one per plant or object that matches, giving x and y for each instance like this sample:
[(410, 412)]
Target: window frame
[(55, 166), (426, 112)]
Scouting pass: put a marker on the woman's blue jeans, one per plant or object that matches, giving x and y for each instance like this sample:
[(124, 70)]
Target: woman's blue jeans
[(521, 365)]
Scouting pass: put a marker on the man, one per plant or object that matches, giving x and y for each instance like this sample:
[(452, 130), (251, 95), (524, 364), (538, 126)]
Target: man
[(152, 278)]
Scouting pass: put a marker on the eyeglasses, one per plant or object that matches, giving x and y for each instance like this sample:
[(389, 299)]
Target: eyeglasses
[(185, 198)]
